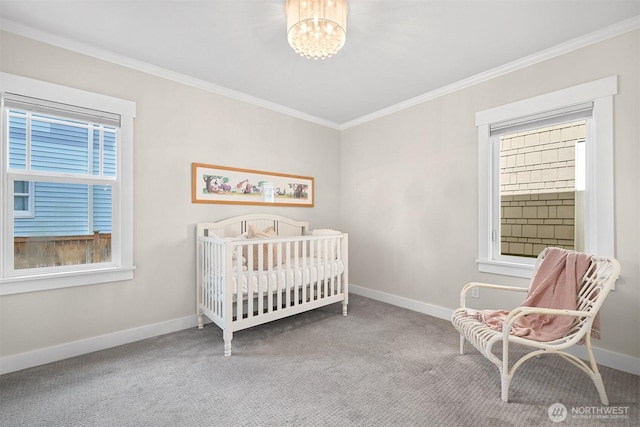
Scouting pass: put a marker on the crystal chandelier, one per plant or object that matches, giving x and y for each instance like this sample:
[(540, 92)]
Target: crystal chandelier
[(316, 28)]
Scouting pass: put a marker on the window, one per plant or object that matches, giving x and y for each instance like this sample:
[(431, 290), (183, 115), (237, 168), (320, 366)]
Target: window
[(536, 192), (23, 199), (67, 187)]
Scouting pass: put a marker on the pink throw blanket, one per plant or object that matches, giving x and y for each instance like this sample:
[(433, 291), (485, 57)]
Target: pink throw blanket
[(555, 285)]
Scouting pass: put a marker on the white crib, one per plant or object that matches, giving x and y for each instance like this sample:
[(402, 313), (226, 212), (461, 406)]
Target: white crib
[(244, 282)]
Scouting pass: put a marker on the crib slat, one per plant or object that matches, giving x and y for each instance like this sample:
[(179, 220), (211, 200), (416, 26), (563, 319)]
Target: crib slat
[(325, 285), (319, 267), (216, 275), (219, 285), (277, 284), (304, 268), (321, 257), (296, 282), (207, 289), (338, 256), (249, 285), (269, 284), (332, 264), (319, 270), (262, 284), (204, 262), (282, 277), (312, 252), (213, 281)]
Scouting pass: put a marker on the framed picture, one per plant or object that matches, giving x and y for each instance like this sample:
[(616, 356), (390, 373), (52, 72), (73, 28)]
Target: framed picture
[(222, 184)]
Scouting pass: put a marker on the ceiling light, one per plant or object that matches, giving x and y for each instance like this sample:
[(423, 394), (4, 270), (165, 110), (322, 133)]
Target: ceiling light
[(316, 28)]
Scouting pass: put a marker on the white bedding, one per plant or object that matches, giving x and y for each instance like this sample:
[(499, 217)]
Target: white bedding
[(286, 275)]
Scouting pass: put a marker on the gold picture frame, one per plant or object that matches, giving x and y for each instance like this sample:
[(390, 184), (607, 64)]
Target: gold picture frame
[(223, 184)]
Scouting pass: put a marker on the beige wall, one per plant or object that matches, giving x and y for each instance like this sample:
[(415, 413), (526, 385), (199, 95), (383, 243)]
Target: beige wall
[(175, 126), (385, 184), (410, 182)]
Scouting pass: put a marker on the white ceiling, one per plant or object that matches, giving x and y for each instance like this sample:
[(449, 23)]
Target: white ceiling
[(395, 50)]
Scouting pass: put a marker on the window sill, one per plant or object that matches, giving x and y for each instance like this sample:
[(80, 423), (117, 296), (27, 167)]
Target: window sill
[(67, 279), (506, 268)]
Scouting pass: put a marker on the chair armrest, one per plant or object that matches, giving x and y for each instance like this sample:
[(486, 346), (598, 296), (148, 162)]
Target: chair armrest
[(523, 311), (518, 312), (466, 288)]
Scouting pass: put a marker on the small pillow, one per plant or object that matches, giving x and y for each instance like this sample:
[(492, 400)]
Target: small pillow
[(267, 233)]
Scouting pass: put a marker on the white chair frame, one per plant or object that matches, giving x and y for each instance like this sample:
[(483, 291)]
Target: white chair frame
[(597, 282)]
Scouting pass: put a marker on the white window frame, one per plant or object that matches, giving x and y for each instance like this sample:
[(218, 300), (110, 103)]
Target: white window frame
[(121, 267), (30, 211), (599, 202)]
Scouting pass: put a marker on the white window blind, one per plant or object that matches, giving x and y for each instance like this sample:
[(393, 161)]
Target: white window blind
[(547, 118), (73, 112)]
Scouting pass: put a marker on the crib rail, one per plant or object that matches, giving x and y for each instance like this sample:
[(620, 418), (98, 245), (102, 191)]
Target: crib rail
[(243, 283)]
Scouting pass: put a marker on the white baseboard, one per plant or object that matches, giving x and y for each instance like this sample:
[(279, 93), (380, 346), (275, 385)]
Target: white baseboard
[(604, 357), (421, 307), (76, 348)]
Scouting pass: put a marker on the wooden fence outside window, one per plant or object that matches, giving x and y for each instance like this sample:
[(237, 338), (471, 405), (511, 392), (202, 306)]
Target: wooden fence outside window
[(33, 252)]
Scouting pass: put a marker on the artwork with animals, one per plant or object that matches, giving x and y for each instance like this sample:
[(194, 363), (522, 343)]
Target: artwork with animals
[(215, 184)]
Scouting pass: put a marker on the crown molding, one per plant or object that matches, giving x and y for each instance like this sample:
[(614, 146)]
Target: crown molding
[(105, 55), (575, 44)]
